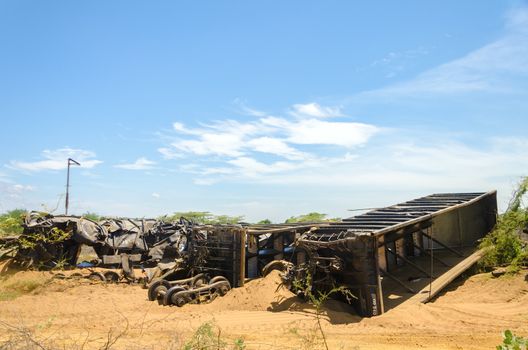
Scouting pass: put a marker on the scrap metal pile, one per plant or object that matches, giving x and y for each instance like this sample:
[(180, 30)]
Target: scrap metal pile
[(191, 262), (49, 240)]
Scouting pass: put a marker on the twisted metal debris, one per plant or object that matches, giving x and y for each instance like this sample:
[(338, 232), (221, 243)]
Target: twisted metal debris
[(50, 241)]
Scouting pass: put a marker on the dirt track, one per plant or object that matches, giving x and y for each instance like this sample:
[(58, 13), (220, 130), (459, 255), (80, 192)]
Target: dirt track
[(83, 314)]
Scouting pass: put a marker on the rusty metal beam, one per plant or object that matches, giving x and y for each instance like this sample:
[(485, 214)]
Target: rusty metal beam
[(397, 280), (442, 244), (410, 263), (425, 251)]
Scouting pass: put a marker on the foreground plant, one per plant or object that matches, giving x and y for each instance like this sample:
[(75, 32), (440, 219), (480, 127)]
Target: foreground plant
[(512, 342), (208, 336), (504, 245), (318, 298)]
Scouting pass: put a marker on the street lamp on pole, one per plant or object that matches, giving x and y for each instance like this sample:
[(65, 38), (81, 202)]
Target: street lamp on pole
[(70, 162)]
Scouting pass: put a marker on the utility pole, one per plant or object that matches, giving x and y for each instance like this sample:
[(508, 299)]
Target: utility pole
[(70, 162)]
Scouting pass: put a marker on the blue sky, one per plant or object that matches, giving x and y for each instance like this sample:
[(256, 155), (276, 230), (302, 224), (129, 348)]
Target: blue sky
[(263, 109)]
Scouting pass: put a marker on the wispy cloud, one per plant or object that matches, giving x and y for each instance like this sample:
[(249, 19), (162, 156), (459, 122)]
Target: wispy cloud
[(141, 163), (499, 66), (315, 110), (14, 191), (57, 160), (244, 109), (318, 132), (236, 147), (395, 62), (271, 145), (447, 166)]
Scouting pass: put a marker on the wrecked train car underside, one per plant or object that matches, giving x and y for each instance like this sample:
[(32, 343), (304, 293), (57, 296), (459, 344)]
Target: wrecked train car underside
[(366, 252), (49, 241)]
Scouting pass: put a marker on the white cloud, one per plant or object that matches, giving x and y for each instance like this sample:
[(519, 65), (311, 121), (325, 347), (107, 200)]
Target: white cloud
[(246, 110), (315, 110), (447, 167), (223, 144), (250, 167), (156, 195), (170, 153), (317, 132), (22, 188), (517, 19), (13, 191), (393, 63), (499, 67), (266, 144), (275, 146), (58, 160), (141, 163), (268, 134), (178, 127)]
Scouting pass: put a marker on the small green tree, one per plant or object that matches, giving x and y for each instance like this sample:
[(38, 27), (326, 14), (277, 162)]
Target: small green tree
[(11, 222), (504, 246), (226, 219), (310, 217), (92, 216), (318, 298), (204, 217), (196, 216), (264, 222), (512, 342)]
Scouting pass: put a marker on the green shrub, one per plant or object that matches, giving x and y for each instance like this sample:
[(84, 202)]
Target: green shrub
[(310, 217), (504, 246), (92, 216), (512, 342), (208, 336), (13, 289), (11, 222), (204, 217)]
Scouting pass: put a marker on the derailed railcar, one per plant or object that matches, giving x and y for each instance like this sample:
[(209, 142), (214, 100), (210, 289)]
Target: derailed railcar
[(361, 253), (50, 241)]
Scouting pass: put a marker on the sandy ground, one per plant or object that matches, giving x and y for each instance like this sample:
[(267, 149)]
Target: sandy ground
[(91, 315)]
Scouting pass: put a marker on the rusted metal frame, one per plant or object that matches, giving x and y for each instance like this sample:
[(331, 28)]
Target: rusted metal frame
[(410, 262), (397, 280), (428, 200), (285, 229), (278, 245), (421, 206), (379, 289), (443, 245), (455, 195), (433, 256), (252, 255), (371, 219), (402, 232), (436, 213), (242, 276), (370, 227)]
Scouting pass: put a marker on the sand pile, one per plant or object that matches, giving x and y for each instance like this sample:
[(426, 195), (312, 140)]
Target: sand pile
[(471, 314), (262, 294), (481, 302)]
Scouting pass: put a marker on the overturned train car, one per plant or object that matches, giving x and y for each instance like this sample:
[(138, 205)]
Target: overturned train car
[(366, 253)]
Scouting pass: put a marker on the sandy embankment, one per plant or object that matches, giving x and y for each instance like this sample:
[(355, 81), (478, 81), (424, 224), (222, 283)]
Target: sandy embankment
[(470, 315)]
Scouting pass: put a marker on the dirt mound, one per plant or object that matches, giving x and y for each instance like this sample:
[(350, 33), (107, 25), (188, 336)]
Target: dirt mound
[(480, 302), (262, 294), (470, 315), (268, 294)]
